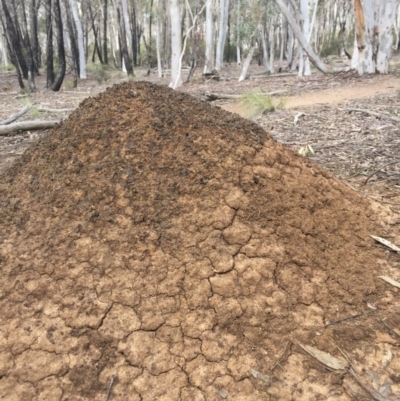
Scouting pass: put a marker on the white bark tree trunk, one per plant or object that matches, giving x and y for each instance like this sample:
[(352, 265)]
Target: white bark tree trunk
[(125, 16), (208, 66), (223, 25), (238, 56), (246, 63), (271, 47), (365, 35), (81, 47), (306, 30), (176, 44), (302, 39), (264, 46), (158, 44), (3, 50), (387, 17)]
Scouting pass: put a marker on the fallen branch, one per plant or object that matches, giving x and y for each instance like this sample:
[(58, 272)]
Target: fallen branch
[(46, 110), (379, 169), (372, 113), (266, 74), (26, 126), (16, 115), (297, 116), (210, 97)]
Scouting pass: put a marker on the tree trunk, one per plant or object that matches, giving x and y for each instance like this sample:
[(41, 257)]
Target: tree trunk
[(264, 46), (14, 38), (105, 14), (124, 45), (34, 35), (49, 45), (72, 45), (271, 47), (246, 63), (158, 41), (306, 31), (238, 57), (96, 35), (303, 40), (209, 63), (28, 49), (79, 31), (60, 44), (3, 50), (135, 51), (386, 22), (128, 33), (223, 25), (176, 40)]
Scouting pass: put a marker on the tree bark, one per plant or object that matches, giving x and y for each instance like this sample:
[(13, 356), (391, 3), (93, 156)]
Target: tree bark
[(209, 63), (176, 40), (34, 35), (14, 39), (26, 126), (124, 45), (387, 18), (306, 31), (49, 45), (79, 31), (105, 14), (223, 25), (158, 40), (15, 116), (60, 44), (246, 63), (72, 46), (303, 40)]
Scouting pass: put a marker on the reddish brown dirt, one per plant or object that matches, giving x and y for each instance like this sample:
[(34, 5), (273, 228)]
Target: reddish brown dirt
[(180, 250)]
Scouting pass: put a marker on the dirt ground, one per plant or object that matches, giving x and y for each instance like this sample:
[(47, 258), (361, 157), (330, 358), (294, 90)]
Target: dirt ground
[(160, 247)]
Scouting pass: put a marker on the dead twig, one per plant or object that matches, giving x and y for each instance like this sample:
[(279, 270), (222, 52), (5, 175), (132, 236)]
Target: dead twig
[(388, 327), (372, 113), (374, 394), (278, 361), (16, 115), (349, 318), (109, 388), (379, 169)]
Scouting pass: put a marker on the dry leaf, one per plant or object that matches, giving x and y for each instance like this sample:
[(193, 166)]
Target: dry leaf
[(390, 281), (324, 357), (386, 243), (257, 375), (387, 357)]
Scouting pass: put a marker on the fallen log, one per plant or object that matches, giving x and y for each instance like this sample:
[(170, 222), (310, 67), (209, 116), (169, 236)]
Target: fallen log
[(372, 113), (26, 126), (16, 115), (210, 97), (46, 110)]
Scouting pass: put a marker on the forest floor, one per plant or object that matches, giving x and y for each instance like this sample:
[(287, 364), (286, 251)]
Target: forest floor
[(350, 126)]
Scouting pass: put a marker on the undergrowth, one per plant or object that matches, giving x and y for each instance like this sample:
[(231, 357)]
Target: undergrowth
[(259, 102)]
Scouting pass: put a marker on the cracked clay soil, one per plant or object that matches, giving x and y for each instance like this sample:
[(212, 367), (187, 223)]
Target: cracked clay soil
[(178, 252)]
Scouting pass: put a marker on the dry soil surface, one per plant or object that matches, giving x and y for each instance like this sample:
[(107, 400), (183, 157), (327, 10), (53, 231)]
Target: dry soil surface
[(164, 249)]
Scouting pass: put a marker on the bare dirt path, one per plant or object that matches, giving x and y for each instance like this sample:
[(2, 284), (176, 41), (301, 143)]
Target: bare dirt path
[(333, 94)]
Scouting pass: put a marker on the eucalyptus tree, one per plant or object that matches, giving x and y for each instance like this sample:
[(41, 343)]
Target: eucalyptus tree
[(209, 38), (79, 31), (223, 26), (176, 44), (374, 32)]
